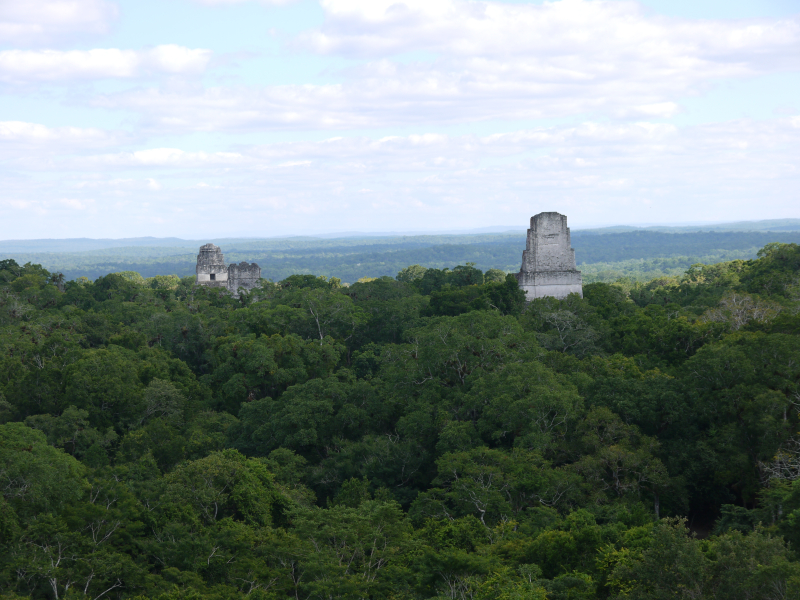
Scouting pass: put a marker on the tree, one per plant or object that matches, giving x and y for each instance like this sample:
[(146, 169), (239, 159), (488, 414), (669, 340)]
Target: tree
[(618, 461), (71, 431), (411, 273), (673, 566), (563, 325), (34, 476), (494, 276), (492, 485), (524, 405), (446, 350), (309, 417), (247, 368), (737, 310), (223, 485), (676, 565), (356, 551), (105, 383)]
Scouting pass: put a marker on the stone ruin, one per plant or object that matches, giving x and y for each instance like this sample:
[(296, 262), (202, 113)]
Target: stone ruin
[(212, 272), (548, 262)]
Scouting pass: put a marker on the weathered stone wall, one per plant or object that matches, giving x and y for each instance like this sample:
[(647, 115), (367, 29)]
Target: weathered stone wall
[(211, 269), (244, 275), (548, 262)]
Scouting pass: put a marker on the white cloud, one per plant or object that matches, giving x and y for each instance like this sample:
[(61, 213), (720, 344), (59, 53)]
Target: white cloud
[(74, 204), (594, 172), (43, 22), (28, 147), (171, 58), (36, 133), (658, 110), (56, 65), (115, 183), (485, 61), (596, 33), (165, 157), (420, 64), (228, 2)]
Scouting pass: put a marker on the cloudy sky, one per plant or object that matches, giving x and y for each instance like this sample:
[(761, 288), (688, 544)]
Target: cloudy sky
[(197, 118)]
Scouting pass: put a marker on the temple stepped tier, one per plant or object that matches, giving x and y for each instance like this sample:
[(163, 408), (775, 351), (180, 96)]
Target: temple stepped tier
[(548, 262), (212, 271)]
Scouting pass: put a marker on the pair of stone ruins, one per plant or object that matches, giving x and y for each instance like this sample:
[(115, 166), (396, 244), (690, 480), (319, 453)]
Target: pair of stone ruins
[(548, 263), (212, 271)]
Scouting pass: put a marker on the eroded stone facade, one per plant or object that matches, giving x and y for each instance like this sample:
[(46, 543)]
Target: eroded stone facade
[(244, 275), (212, 271), (548, 262)]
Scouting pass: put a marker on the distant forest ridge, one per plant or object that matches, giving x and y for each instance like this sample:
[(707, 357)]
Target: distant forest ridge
[(765, 225), (639, 254), (347, 239)]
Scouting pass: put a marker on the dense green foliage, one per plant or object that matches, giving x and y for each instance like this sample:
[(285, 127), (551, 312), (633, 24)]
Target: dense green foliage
[(423, 436), (638, 255)]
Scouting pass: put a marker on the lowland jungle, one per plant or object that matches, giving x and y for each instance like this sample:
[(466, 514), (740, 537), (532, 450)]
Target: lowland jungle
[(424, 435)]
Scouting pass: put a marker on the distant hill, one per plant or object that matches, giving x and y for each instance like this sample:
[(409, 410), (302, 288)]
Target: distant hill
[(343, 239), (638, 253), (768, 225)]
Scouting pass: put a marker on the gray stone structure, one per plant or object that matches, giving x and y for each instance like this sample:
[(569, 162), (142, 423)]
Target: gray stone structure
[(244, 275), (212, 271), (548, 262)]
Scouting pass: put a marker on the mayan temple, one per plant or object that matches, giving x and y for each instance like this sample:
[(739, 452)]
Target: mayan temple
[(548, 262), (212, 271)]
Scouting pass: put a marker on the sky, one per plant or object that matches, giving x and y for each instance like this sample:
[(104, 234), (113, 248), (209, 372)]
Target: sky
[(220, 118)]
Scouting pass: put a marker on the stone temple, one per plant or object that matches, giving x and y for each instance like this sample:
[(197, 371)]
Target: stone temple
[(548, 262), (212, 272)]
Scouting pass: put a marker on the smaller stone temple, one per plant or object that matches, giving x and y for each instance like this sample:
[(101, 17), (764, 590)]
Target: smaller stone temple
[(212, 271), (548, 262)]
